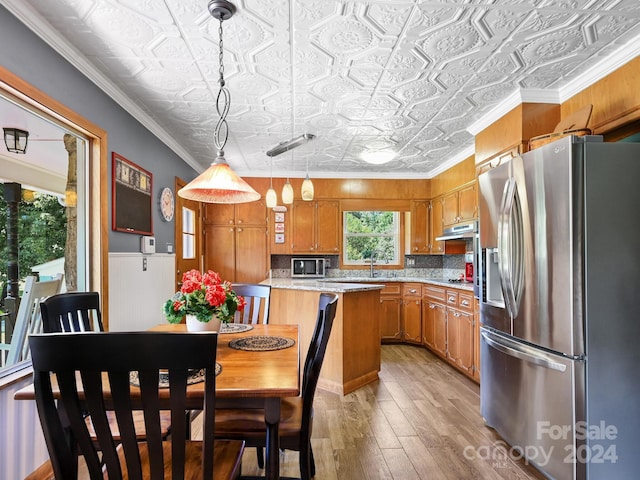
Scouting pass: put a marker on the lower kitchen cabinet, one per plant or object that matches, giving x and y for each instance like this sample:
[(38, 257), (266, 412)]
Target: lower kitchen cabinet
[(442, 319), (412, 313), (449, 326), (391, 313), (460, 349)]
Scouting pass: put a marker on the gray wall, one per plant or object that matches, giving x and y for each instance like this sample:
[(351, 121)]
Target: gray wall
[(28, 57)]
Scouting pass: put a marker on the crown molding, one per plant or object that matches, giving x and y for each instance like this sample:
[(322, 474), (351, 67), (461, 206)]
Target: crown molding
[(520, 96), (32, 20), (617, 59)]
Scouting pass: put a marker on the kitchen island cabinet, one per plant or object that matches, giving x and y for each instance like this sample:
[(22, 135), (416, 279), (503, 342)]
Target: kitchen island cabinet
[(352, 359)]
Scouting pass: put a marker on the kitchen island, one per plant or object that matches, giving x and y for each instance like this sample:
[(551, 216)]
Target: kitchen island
[(353, 352)]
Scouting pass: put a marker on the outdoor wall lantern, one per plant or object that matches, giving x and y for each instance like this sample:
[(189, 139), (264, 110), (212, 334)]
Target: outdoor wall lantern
[(16, 140)]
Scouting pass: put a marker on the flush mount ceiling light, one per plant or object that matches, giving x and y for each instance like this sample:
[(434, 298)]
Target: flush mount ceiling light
[(16, 140), (378, 157), (288, 145), (218, 183)]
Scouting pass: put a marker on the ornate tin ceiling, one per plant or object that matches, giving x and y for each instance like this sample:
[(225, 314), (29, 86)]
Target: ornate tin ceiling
[(406, 75)]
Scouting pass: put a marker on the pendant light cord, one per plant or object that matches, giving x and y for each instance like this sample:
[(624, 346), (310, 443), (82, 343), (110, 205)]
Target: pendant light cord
[(222, 129)]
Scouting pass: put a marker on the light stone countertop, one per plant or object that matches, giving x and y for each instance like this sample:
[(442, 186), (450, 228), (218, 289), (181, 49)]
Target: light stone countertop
[(434, 281), (321, 285), (355, 284)]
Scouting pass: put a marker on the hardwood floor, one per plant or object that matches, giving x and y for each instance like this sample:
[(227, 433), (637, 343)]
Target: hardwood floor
[(419, 421)]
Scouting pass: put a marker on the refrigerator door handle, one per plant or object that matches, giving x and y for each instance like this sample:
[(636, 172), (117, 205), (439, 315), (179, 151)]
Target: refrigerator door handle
[(520, 351), (504, 249)]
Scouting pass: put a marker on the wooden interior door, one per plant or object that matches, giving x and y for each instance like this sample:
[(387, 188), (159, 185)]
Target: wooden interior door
[(188, 233)]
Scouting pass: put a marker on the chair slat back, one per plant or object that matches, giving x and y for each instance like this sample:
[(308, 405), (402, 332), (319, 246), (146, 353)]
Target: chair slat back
[(257, 308), (327, 307), (28, 319), (72, 312), (90, 358)]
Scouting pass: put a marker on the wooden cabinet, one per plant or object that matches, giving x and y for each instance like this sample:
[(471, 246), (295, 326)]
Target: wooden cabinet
[(412, 313), (251, 213), (449, 326), (235, 241), (391, 312), (436, 226), (420, 226), (315, 227), (433, 312), (460, 345), (460, 205), (237, 253), (426, 225)]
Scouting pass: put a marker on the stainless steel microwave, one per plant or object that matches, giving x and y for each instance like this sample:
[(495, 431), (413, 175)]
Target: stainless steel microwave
[(308, 267)]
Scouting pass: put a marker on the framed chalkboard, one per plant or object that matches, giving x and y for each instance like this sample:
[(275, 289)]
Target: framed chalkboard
[(131, 194)]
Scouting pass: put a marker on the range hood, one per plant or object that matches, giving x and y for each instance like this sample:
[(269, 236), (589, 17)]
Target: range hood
[(457, 232)]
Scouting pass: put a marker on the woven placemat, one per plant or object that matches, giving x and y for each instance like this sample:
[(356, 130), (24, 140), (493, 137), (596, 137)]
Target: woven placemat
[(235, 327), (261, 343), (196, 376)]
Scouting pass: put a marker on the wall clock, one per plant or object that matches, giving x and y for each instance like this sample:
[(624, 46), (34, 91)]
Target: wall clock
[(167, 204)]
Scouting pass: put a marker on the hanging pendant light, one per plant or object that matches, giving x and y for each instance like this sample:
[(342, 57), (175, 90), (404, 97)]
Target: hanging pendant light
[(219, 183), (271, 198), (287, 193), (287, 189), (307, 189)]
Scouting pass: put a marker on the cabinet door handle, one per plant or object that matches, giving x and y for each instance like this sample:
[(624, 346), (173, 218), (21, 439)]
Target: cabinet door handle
[(239, 229), (230, 222), (432, 306)]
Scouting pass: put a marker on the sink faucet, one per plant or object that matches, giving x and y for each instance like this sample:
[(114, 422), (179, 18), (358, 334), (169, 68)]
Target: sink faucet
[(374, 255)]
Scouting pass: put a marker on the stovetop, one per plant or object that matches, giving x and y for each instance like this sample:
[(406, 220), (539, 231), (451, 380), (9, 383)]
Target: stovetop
[(458, 280)]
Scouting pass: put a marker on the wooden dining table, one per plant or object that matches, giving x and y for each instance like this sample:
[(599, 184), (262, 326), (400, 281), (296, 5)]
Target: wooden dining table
[(247, 378)]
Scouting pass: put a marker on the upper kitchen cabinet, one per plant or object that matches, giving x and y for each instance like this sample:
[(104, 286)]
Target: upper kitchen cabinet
[(461, 205), (436, 225), (235, 241), (420, 226), (237, 252), (251, 213), (426, 225), (315, 227)]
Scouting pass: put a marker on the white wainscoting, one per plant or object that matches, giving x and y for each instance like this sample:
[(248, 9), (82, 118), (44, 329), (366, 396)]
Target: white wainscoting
[(136, 296), (22, 446)]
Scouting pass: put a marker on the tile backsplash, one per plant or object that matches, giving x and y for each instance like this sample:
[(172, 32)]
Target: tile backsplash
[(416, 266)]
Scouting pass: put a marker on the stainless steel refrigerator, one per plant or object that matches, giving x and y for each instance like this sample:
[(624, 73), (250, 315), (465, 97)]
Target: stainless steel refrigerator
[(560, 307)]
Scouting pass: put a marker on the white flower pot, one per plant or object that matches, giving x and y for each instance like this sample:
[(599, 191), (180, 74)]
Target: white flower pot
[(195, 325)]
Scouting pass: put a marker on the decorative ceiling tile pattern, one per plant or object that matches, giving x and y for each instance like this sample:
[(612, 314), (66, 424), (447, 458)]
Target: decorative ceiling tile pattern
[(409, 76)]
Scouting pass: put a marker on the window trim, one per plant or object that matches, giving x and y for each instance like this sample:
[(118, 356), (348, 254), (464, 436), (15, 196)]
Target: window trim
[(96, 188), (381, 265)]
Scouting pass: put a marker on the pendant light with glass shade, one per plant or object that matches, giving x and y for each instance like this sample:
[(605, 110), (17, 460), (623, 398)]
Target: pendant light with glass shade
[(287, 189), (219, 183), (271, 198)]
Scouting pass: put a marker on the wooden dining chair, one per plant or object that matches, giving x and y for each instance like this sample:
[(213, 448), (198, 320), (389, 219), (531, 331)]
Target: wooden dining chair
[(296, 420), (82, 362), (80, 312), (72, 312), (257, 308)]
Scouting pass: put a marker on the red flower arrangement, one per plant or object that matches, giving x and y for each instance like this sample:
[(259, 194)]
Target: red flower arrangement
[(203, 295)]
